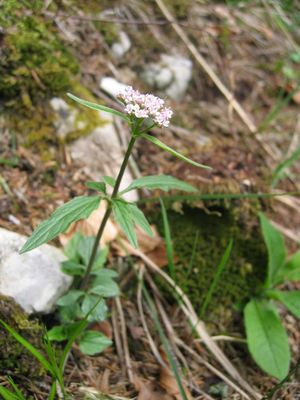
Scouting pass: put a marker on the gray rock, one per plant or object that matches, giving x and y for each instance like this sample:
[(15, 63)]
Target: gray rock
[(120, 48), (34, 279), (66, 117), (171, 74), (101, 153)]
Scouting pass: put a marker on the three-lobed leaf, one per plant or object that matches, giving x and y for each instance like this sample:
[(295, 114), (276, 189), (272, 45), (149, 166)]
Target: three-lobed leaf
[(98, 107), (175, 153), (109, 181), (72, 268), (78, 208), (139, 218), (162, 182), (93, 342), (267, 340), (99, 308), (70, 298), (100, 186), (127, 215), (124, 220), (276, 250), (105, 288)]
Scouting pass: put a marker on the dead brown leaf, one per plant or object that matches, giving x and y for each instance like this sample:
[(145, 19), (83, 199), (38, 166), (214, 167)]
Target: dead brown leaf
[(90, 226), (148, 391), (168, 381)]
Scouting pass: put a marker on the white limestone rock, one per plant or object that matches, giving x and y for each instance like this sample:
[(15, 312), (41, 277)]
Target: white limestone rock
[(171, 74), (111, 86), (34, 279), (101, 154), (120, 48)]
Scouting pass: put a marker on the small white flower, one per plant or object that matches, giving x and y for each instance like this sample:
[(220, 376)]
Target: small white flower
[(145, 106)]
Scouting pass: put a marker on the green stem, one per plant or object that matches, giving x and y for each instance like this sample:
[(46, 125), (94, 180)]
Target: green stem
[(107, 213)]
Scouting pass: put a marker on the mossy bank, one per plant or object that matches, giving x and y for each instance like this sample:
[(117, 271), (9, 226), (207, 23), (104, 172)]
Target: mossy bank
[(200, 237)]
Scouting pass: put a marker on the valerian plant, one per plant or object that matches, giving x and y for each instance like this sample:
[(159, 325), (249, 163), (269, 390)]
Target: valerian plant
[(266, 337), (142, 112)]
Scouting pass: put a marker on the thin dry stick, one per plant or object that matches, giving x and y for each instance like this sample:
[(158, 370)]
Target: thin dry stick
[(223, 89), (198, 325), (124, 340), (211, 368), (152, 344), (117, 338)]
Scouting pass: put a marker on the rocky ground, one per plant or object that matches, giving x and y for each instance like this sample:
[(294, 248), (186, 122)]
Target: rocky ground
[(230, 72)]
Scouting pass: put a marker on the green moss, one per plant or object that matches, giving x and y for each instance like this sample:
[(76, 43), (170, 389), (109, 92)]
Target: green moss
[(34, 64), (215, 226), (14, 359)]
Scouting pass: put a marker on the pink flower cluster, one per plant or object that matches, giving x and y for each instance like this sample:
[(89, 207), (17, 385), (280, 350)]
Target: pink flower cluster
[(145, 106)]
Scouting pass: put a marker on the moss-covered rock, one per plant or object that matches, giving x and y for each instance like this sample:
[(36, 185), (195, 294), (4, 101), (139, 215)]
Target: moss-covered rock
[(208, 231), (15, 360)]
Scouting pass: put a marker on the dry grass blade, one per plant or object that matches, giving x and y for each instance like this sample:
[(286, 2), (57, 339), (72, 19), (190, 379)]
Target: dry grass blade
[(199, 327), (124, 340), (213, 369), (152, 344)]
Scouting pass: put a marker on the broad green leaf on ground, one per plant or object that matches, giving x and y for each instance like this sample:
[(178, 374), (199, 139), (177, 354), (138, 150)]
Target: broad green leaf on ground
[(72, 268), (281, 168), (57, 333), (71, 248), (100, 259), (276, 250), (69, 313), (70, 298), (103, 273), (109, 181), (93, 342), (123, 218), (98, 107), (291, 270), (85, 248), (267, 339), (139, 218), (162, 182), (100, 310), (8, 395), (291, 300), (100, 186), (164, 147), (76, 209), (105, 288)]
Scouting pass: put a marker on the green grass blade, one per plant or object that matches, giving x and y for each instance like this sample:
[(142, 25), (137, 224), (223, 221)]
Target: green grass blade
[(8, 395), (216, 279), (16, 389), (279, 171), (98, 107), (52, 358), (168, 240), (52, 393), (29, 347)]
